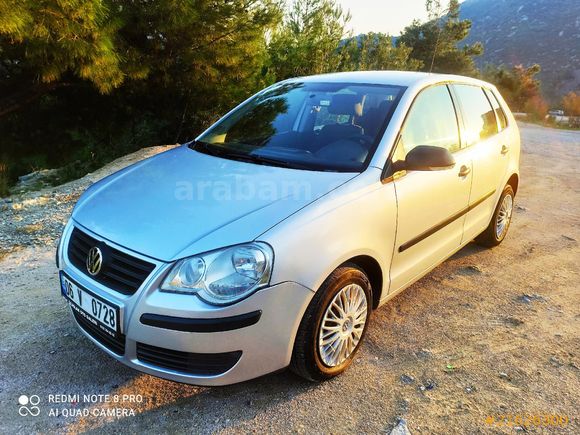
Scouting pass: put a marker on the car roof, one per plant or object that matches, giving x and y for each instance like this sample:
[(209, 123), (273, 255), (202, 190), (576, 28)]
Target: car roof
[(398, 78)]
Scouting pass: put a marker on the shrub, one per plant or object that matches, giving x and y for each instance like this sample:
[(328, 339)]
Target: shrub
[(537, 108), (571, 104)]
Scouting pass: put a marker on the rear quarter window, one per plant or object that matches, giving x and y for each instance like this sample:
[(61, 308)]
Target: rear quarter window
[(478, 115), (499, 112)]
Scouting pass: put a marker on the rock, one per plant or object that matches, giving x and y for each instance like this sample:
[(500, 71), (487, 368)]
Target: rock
[(471, 270), (521, 208), (470, 389), (427, 385), (35, 180), (401, 428), (512, 321), (430, 384), (528, 299), (504, 375), (423, 354), (404, 406), (572, 239), (407, 379), (556, 362)]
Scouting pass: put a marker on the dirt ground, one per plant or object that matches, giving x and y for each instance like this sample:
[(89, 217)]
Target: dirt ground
[(486, 334)]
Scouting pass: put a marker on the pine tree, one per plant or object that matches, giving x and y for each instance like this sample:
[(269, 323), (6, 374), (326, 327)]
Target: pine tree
[(307, 43), (376, 52), (437, 43)]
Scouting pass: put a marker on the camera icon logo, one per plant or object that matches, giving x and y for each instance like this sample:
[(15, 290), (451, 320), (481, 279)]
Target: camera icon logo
[(28, 405)]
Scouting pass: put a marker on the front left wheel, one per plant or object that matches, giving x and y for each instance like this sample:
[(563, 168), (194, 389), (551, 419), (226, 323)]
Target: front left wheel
[(333, 326)]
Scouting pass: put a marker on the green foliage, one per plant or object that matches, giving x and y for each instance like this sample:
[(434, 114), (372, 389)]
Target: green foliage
[(85, 81), (313, 39), (91, 80), (375, 52), (436, 42), (308, 40), (48, 38)]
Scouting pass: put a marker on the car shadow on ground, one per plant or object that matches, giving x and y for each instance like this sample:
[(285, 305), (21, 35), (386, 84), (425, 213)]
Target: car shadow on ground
[(181, 406), (468, 250)]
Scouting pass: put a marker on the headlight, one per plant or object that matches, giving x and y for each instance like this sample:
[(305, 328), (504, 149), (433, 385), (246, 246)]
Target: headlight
[(223, 276)]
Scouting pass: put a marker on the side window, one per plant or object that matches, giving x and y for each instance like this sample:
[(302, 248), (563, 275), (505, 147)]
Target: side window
[(431, 121), (499, 113), (478, 115)]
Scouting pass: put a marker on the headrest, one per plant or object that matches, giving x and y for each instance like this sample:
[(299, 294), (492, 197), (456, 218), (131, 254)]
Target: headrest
[(344, 104)]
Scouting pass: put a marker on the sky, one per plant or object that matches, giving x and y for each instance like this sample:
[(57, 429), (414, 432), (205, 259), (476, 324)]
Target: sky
[(387, 16)]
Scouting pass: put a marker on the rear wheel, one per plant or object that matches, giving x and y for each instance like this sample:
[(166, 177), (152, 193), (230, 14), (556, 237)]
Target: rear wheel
[(500, 222), (333, 326)]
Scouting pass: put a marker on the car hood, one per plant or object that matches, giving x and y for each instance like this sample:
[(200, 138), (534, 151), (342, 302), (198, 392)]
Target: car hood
[(183, 202)]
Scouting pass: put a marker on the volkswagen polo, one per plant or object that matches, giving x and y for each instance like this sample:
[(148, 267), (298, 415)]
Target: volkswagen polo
[(269, 240)]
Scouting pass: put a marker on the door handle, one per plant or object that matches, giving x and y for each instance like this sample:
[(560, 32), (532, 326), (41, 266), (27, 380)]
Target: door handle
[(463, 171), (505, 149)]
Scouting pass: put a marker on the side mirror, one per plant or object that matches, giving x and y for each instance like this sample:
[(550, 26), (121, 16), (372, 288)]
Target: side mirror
[(426, 158)]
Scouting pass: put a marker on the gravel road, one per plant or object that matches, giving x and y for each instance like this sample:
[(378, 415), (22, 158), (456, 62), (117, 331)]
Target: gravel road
[(486, 334)]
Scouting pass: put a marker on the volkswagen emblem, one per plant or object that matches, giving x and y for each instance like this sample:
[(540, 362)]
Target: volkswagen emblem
[(94, 261)]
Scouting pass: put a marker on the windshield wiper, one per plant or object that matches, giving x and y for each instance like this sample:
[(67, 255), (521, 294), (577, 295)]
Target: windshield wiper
[(220, 151), (262, 160)]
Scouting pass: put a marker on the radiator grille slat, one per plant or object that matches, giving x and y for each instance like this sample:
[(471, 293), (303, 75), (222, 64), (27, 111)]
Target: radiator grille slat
[(120, 272)]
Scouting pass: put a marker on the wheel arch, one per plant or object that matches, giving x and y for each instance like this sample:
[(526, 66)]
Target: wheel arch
[(514, 181), (371, 267)]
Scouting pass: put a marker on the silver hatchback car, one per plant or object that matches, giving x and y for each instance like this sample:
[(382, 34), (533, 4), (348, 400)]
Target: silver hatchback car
[(269, 240)]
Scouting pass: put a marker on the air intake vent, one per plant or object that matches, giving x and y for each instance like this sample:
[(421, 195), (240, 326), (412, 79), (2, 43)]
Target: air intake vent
[(200, 364)]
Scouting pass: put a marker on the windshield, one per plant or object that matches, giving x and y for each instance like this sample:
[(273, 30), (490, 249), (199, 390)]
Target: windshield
[(316, 126)]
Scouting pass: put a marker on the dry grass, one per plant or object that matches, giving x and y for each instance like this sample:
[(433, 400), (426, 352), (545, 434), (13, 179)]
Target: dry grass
[(29, 229)]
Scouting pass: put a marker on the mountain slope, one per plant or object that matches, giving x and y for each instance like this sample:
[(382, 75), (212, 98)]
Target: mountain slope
[(525, 32)]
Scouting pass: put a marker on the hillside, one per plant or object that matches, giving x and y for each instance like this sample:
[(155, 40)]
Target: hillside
[(527, 32)]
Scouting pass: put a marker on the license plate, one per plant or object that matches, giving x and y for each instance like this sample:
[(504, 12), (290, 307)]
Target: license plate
[(95, 309)]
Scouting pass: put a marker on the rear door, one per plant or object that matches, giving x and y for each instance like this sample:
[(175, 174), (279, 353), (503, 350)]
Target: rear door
[(487, 143), (431, 204)]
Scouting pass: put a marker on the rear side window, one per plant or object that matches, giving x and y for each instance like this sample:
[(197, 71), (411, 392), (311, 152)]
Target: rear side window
[(501, 117), (478, 115), (431, 121)]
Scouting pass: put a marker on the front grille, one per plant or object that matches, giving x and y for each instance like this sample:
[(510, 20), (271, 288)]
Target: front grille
[(119, 272), (114, 344), (200, 364)]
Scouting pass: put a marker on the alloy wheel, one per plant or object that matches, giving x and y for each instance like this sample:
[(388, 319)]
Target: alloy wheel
[(342, 325), (504, 216)]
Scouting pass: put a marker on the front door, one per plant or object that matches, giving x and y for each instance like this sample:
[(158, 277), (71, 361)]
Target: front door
[(431, 204)]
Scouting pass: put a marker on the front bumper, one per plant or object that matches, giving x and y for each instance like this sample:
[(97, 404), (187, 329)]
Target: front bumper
[(265, 346)]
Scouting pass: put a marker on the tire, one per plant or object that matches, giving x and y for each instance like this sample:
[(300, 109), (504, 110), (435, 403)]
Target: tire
[(494, 233), (310, 359)]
